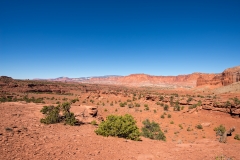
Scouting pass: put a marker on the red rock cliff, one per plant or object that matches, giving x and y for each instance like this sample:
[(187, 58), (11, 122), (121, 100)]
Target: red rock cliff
[(145, 80), (228, 76)]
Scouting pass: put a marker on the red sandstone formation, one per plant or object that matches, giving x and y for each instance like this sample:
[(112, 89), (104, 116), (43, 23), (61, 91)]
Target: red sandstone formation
[(228, 76), (149, 80)]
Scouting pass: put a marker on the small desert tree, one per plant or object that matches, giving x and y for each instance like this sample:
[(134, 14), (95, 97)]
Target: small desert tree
[(220, 130)]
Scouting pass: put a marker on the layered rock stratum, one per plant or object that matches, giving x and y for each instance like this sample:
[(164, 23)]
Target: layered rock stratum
[(227, 77)]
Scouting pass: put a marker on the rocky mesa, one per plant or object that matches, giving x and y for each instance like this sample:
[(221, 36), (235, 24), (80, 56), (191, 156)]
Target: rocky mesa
[(185, 81), (228, 76)]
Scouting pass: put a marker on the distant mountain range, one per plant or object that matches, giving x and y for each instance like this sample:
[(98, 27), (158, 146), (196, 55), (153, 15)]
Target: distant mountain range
[(80, 79), (229, 76)]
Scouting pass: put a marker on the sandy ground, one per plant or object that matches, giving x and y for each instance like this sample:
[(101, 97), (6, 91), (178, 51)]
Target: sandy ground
[(22, 136)]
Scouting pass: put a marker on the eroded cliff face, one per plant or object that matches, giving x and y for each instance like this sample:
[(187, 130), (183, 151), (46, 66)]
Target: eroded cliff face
[(187, 81), (231, 75), (228, 76)]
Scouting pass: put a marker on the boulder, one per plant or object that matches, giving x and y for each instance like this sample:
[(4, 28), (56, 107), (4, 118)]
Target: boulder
[(150, 97), (92, 110), (183, 102), (206, 124)]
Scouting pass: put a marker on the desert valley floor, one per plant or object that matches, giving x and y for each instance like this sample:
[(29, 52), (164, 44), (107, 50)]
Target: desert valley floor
[(22, 136)]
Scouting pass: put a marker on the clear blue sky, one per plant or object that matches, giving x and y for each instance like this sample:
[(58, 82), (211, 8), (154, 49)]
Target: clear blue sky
[(49, 39)]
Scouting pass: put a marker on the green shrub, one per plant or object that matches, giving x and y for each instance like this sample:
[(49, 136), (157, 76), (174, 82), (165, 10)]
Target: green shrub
[(236, 101), (65, 99), (176, 107), (227, 104), (134, 98), (180, 125), (122, 104), (137, 105), (92, 101), (66, 106), (169, 115), (52, 115), (222, 157), (189, 99), (94, 122), (193, 106), (171, 101), (129, 100), (199, 126), (3, 99), (237, 137), (146, 107), (119, 126), (171, 122), (152, 130), (162, 116), (161, 98), (32, 99), (70, 118), (46, 109), (166, 107), (220, 130)]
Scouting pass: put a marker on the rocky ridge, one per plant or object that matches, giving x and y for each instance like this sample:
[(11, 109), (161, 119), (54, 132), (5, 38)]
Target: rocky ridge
[(180, 81)]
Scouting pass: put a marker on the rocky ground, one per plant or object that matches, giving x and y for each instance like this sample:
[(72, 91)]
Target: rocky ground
[(22, 136)]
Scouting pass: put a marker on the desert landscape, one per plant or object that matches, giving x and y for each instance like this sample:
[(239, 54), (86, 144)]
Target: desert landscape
[(198, 116), (119, 80)]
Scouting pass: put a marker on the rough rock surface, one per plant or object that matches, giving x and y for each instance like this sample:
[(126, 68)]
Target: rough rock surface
[(228, 76)]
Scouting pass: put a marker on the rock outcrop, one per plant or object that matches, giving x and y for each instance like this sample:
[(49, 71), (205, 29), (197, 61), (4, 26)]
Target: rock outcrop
[(231, 75), (228, 76), (230, 108)]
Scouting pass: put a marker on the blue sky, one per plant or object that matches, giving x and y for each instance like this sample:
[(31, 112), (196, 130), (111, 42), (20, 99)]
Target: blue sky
[(49, 39)]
